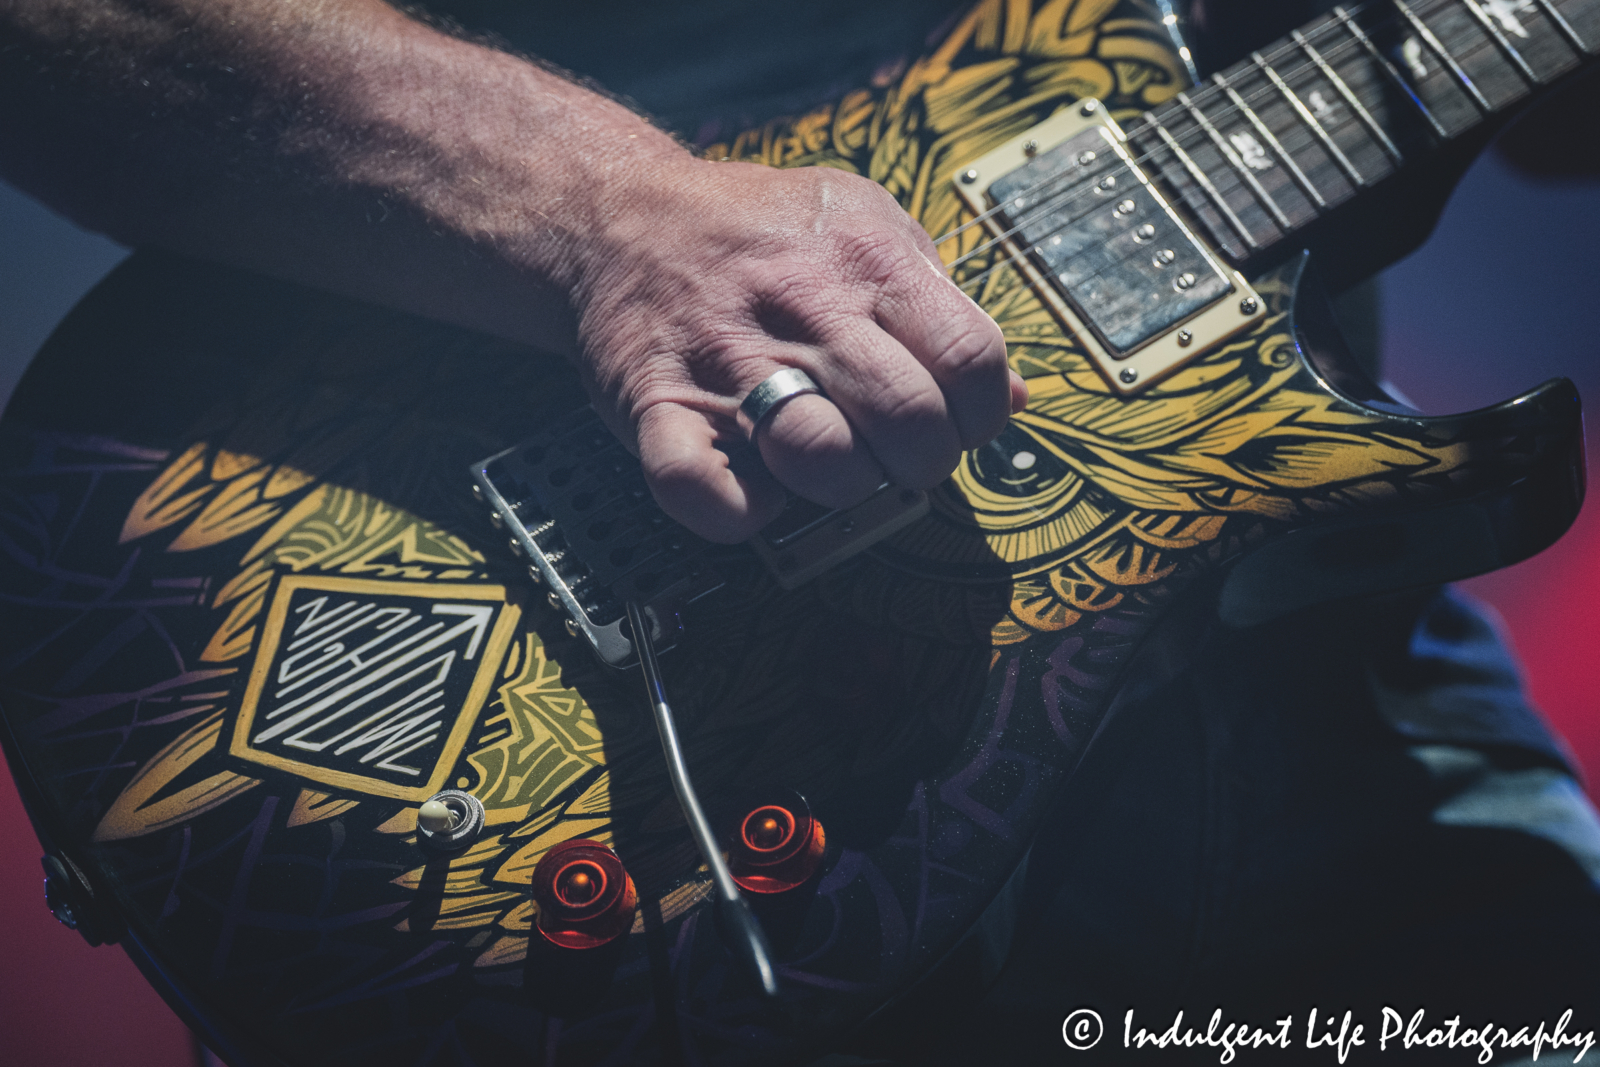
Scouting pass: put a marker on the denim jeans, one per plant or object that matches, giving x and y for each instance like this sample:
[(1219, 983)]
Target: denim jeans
[(1351, 809)]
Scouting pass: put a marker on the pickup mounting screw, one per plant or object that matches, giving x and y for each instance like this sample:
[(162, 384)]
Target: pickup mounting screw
[(1030, 148), (969, 176), (1128, 375), (1089, 107), (1185, 338), (1249, 305), (572, 628)]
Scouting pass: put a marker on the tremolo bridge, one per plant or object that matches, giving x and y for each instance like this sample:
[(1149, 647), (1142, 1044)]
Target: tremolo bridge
[(1066, 202), (574, 506), (1069, 205)]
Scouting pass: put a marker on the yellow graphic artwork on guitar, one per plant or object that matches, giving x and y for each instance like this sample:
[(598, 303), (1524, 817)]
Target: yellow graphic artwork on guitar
[(329, 632)]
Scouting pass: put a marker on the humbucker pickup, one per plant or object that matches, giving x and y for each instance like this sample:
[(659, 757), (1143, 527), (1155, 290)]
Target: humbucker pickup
[(1072, 209), (574, 505)]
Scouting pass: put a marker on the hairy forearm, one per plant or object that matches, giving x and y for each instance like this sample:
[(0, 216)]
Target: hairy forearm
[(339, 143), (334, 142)]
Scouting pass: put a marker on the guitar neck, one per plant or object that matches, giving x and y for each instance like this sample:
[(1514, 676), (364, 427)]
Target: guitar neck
[(1279, 141)]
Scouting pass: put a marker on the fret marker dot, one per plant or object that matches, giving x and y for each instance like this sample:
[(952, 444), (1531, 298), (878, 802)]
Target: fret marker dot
[(1023, 460)]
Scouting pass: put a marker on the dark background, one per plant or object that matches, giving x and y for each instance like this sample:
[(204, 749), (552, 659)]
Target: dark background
[(1505, 295)]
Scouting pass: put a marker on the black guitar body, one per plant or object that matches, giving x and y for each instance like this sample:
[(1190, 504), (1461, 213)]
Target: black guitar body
[(202, 466)]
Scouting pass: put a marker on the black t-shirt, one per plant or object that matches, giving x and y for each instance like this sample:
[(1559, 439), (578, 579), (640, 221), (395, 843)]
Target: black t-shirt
[(709, 67)]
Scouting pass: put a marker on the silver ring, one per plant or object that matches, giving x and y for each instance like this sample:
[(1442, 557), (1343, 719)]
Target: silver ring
[(760, 403)]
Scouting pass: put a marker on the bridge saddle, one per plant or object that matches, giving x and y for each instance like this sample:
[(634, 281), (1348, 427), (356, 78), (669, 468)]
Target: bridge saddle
[(574, 505)]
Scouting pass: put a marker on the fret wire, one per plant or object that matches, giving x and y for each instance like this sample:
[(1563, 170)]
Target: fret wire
[(1350, 99), (1150, 118), (1388, 69), (1300, 40), (1437, 48), (1310, 121), (1272, 142), (1564, 27), (1238, 164), (1202, 180), (1501, 42), (1286, 49), (1359, 40)]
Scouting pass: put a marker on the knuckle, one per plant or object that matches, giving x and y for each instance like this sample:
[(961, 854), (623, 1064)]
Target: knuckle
[(875, 255), (790, 287), (903, 404), (973, 347)]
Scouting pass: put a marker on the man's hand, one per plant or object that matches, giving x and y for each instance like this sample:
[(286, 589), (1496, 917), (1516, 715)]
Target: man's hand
[(340, 144), (712, 276)]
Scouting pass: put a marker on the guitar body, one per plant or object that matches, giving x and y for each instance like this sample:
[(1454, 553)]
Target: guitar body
[(202, 460)]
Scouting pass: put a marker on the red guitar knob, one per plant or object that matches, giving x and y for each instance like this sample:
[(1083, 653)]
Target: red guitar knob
[(585, 896), (776, 846)]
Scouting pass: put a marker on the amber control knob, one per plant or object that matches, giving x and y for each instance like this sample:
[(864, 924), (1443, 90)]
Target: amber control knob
[(585, 896), (776, 846)]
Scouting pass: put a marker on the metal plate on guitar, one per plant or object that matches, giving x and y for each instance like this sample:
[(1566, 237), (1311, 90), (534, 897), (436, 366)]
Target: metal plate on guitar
[(575, 506), (1122, 271)]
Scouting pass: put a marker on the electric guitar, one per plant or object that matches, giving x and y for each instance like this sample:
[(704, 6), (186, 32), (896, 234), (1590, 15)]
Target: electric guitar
[(256, 618)]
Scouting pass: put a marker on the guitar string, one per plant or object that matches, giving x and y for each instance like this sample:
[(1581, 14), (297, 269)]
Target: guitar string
[(1196, 136), (1077, 189), (1080, 190), (1199, 98)]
